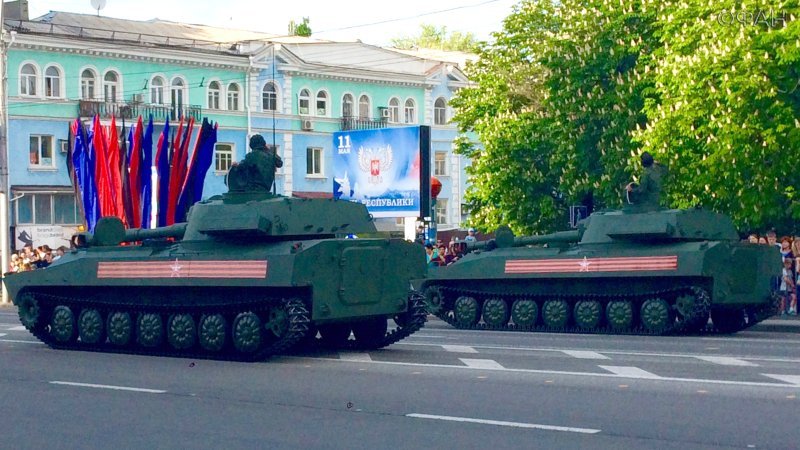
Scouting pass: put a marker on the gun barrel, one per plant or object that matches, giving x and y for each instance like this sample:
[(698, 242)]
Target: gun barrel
[(139, 234), (521, 241)]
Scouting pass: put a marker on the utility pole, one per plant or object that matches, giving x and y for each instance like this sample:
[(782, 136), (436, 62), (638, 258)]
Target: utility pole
[(5, 244)]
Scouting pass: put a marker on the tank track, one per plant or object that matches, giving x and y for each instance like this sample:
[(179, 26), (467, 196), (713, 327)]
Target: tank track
[(696, 321), (298, 326)]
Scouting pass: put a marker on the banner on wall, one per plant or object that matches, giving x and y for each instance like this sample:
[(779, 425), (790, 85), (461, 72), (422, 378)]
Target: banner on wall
[(386, 169)]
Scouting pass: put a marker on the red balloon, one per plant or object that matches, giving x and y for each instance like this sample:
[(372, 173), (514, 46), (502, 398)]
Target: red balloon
[(436, 187)]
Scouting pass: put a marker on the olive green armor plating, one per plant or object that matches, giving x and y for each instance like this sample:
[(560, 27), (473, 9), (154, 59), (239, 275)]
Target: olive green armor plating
[(248, 275), (623, 271)]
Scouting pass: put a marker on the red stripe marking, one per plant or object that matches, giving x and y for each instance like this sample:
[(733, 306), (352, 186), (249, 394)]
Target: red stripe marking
[(182, 269), (623, 264)]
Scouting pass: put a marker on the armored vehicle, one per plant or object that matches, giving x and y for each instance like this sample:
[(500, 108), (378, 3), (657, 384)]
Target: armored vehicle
[(246, 276), (621, 271)]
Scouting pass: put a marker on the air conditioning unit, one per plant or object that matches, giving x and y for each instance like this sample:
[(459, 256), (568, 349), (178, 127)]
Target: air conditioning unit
[(385, 113), (306, 125), (138, 98), (63, 145)]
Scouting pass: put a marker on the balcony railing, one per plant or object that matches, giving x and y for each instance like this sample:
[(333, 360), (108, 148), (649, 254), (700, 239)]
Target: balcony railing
[(90, 108), (361, 123)]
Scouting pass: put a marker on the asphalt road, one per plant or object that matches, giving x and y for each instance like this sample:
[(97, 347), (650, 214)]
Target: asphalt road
[(441, 388)]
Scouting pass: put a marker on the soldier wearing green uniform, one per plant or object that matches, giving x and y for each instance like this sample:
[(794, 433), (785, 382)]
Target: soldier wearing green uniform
[(257, 172), (647, 192)]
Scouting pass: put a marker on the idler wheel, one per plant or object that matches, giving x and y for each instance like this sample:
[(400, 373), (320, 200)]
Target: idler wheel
[(28, 310), (278, 321), (434, 300), (370, 332), (181, 331), (247, 332), (587, 314), (655, 314), (119, 327), (150, 330), (555, 313), (524, 313), (334, 334), (62, 324), (213, 329), (619, 314), (495, 312), (90, 326), (465, 311)]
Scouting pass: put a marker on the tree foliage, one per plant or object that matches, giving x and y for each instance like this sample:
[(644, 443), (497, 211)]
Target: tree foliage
[(302, 29), (434, 37), (570, 93)]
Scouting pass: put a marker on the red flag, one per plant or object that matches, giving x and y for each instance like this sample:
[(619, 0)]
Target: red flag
[(178, 169), (114, 174), (134, 166), (102, 177)]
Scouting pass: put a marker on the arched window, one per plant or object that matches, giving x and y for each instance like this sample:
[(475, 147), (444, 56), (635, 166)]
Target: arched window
[(304, 102), (88, 83), (177, 97), (110, 86), (411, 111), (322, 103), (157, 91), (28, 80), (364, 107), (440, 111), (52, 82), (269, 97), (213, 95), (347, 105), (233, 97), (394, 110)]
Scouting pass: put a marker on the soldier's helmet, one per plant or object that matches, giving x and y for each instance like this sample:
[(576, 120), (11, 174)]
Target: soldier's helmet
[(257, 141)]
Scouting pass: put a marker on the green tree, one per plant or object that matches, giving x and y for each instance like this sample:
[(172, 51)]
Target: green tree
[(303, 29), (437, 38), (726, 118)]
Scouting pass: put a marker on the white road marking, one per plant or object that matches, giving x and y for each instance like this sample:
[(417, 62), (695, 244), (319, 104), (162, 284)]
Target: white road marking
[(2, 334), (727, 361), (563, 372), (105, 386), (17, 328), (584, 354), (355, 357), (459, 349), (482, 363), (505, 424), (17, 341), (630, 372), (792, 379)]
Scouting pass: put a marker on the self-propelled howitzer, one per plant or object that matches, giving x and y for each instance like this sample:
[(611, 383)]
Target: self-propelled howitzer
[(622, 271), (248, 275)]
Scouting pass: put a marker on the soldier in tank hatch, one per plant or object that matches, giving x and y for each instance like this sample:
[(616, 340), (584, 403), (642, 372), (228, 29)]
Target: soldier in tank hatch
[(648, 191), (257, 172)]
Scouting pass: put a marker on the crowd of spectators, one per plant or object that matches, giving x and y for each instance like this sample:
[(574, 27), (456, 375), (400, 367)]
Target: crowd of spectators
[(787, 283), (29, 258)]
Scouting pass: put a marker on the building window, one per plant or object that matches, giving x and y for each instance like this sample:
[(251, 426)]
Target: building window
[(440, 111), (269, 97), (46, 209), (223, 157), (110, 86), (213, 95), (233, 97), (364, 107), (347, 105), (440, 163), (411, 111), (314, 161), (41, 151), (27, 80), (394, 110), (304, 102), (52, 82), (177, 97), (88, 83), (441, 210), (157, 91), (322, 103)]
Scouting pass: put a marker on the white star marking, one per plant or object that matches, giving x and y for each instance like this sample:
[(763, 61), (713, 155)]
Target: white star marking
[(584, 265), (176, 269)]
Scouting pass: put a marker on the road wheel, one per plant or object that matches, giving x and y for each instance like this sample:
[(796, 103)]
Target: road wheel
[(119, 327), (524, 313), (555, 313), (434, 300), (619, 314), (495, 312), (465, 312), (587, 314), (655, 314), (62, 324), (247, 332), (181, 331), (278, 321), (149, 330), (28, 310), (212, 331), (90, 326)]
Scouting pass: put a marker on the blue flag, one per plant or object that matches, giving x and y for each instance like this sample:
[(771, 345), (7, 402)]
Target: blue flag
[(145, 173), (192, 191), (83, 161), (162, 166)]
